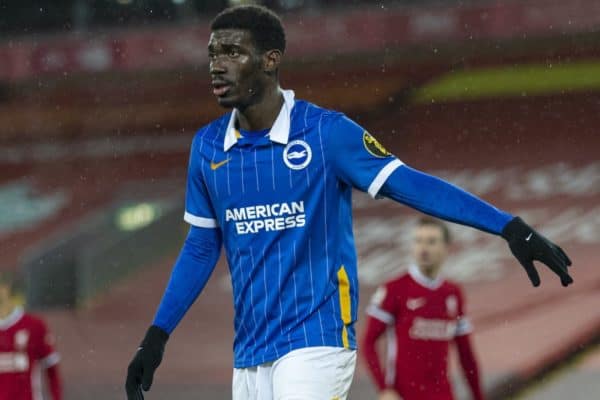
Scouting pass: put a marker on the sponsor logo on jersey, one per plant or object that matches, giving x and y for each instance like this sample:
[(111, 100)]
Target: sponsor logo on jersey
[(374, 147), (267, 217), (413, 304), (297, 154), (432, 329), (13, 362)]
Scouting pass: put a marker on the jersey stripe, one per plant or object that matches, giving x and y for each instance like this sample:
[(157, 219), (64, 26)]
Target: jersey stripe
[(378, 313), (228, 178), (345, 303), (242, 170), (256, 169), (312, 288), (200, 222), (243, 323), (392, 350), (304, 137), (36, 382), (264, 268), (296, 295), (214, 146), (273, 165), (382, 176), (279, 284), (325, 224)]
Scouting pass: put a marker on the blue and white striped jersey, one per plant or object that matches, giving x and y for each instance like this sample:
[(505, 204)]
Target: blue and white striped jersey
[(283, 204)]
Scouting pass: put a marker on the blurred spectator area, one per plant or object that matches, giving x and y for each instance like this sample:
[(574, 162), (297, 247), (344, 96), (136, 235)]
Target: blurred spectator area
[(31, 16), (81, 69)]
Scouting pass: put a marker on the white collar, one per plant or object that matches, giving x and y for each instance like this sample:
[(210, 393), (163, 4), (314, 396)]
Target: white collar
[(280, 132), (12, 318), (421, 279)]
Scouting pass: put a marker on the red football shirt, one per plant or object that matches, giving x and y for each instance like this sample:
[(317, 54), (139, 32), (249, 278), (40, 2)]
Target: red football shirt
[(424, 316), (25, 351)]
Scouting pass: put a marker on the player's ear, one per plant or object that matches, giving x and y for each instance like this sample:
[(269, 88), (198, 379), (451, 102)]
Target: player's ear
[(271, 60)]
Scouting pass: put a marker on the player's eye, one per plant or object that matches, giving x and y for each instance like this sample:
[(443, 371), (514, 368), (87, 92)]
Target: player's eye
[(233, 53)]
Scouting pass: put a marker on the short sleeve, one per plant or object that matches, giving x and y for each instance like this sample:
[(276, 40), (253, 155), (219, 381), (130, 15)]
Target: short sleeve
[(358, 158), (47, 356), (383, 305), (198, 209), (463, 323)]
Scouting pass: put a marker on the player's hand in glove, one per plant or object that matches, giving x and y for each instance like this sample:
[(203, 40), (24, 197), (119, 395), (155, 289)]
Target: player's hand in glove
[(527, 245), (147, 358)]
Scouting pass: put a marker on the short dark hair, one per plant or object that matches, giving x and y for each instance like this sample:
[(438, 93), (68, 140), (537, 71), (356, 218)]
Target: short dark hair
[(264, 25), (423, 221)]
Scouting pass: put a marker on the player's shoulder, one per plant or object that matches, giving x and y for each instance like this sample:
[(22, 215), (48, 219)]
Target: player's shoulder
[(212, 131), (309, 110), (32, 321), (306, 115), (396, 287), (453, 287), (399, 282)]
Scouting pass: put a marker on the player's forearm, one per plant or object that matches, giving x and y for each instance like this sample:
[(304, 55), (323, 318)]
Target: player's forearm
[(469, 365), (54, 383), (192, 270), (441, 199), (375, 329)]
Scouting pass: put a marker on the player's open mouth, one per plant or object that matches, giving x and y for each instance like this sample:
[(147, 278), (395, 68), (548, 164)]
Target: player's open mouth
[(220, 89)]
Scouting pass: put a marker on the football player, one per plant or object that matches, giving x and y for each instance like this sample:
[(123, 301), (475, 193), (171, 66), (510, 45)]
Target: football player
[(26, 350), (272, 182), (422, 313)]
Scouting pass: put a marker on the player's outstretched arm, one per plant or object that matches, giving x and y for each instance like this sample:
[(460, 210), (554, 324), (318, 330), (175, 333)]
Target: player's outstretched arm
[(360, 160), (192, 270), (441, 199)]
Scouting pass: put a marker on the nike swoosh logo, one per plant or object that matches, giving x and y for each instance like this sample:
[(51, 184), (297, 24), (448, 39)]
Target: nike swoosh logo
[(529, 237), (214, 165)]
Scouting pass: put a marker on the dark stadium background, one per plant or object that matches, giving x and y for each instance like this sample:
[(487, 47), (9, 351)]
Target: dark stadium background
[(99, 101)]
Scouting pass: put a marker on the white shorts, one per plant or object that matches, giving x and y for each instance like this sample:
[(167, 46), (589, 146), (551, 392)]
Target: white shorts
[(312, 373)]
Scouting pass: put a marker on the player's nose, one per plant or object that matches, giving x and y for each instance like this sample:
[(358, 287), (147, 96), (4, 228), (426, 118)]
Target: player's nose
[(217, 67)]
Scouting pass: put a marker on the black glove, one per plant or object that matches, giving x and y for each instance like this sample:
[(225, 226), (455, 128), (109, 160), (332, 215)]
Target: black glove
[(528, 245), (147, 358)]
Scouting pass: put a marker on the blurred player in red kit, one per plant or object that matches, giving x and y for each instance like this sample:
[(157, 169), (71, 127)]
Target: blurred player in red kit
[(26, 351), (422, 314)]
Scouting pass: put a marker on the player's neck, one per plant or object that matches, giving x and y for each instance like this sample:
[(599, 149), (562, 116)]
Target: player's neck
[(430, 271), (263, 114)]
